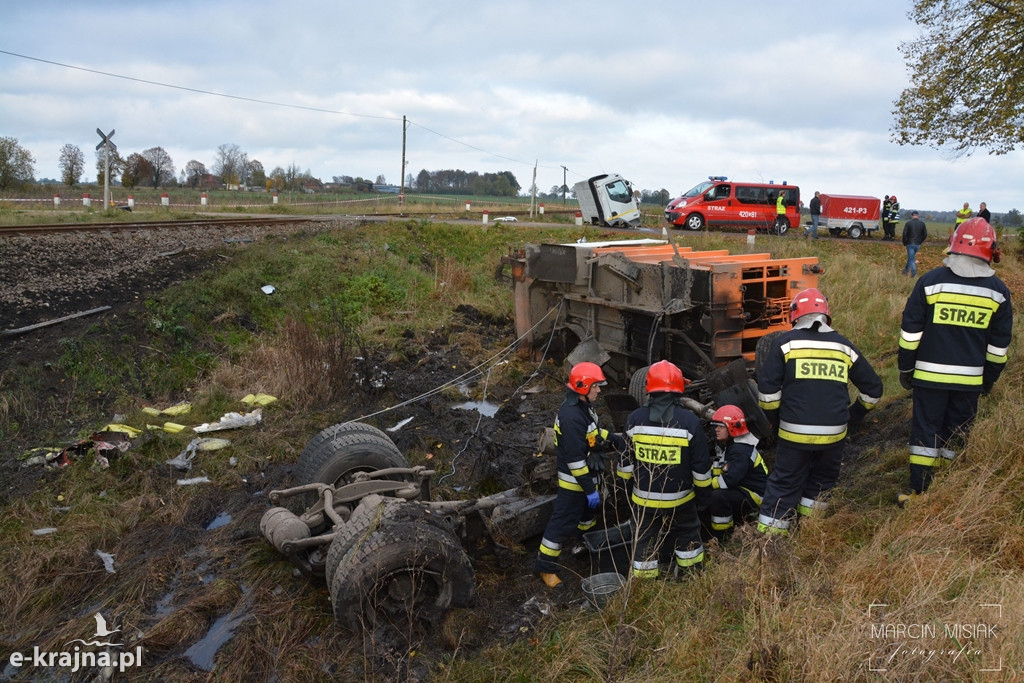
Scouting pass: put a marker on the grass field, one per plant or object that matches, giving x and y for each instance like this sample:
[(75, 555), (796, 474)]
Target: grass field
[(851, 596)]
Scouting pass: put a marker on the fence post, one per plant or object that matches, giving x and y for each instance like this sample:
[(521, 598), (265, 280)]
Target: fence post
[(484, 216), (579, 218), (86, 200), (56, 201), (165, 200), (202, 200), (131, 201)]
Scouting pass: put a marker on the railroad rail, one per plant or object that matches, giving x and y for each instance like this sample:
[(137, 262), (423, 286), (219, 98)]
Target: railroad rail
[(9, 230)]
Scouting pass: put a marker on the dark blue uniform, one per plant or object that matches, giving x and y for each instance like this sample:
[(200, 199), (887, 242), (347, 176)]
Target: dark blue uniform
[(738, 482)]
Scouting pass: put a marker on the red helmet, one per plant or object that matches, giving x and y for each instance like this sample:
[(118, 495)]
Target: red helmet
[(665, 376), (975, 237), (583, 376), (892, 199), (809, 301), (733, 419)]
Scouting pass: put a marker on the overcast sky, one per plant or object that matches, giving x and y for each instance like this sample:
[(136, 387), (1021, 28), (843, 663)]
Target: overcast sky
[(664, 93)]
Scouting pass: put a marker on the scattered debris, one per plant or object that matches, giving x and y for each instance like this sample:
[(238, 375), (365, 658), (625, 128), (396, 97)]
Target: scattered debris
[(29, 328), (45, 531), (400, 424), (267, 289), (182, 408), (108, 561), (183, 461), (193, 480), (258, 399), (231, 421)]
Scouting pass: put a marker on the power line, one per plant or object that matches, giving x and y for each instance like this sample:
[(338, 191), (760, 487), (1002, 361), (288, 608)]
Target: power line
[(266, 102)]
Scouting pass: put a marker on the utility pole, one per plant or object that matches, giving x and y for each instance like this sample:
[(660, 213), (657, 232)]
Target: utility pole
[(533, 189), (401, 190), (564, 169), (107, 145)]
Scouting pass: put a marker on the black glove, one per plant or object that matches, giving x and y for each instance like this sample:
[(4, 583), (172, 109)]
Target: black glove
[(986, 386), (907, 379), (595, 463), (857, 413)]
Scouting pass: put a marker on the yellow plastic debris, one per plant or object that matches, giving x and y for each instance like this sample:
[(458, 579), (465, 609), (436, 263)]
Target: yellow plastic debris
[(212, 444), (258, 399), (178, 409), (172, 427), (132, 432)]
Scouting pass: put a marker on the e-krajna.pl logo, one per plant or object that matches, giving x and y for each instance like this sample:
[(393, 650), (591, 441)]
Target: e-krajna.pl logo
[(80, 657)]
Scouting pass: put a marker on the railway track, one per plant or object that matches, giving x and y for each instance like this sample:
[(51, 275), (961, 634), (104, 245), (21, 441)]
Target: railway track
[(190, 223)]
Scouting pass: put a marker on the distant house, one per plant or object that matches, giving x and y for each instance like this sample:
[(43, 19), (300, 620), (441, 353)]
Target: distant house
[(386, 189)]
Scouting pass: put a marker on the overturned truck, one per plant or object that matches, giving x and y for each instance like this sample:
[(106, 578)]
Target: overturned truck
[(627, 304)]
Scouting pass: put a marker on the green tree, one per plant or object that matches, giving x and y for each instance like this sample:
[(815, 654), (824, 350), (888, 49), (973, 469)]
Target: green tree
[(116, 166), (195, 173), (161, 166), (16, 164), (71, 164), (137, 170), (965, 74), (1013, 218)]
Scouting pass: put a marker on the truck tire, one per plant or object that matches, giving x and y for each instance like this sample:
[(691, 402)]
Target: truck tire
[(368, 517), (695, 222), (761, 350), (855, 231), (638, 385), (334, 458), (401, 572)]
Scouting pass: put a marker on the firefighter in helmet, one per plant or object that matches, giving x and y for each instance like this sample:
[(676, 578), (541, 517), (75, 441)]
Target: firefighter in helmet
[(802, 388), (738, 473), (955, 332), (579, 445), (667, 458)]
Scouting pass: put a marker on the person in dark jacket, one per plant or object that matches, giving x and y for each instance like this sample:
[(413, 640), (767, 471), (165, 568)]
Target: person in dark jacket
[(915, 232), (886, 205), (815, 207), (983, 212), (577, 440), (803, 390), (668, 460), (956, 329), (738, 473)]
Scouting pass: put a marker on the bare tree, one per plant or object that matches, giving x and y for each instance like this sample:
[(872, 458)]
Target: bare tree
[(162, 170), (231, 164), (195, 173), (71, 164)]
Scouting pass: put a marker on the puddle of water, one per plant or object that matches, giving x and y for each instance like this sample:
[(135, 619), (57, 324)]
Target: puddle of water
[(163, 605), (218, 521), (202, 652), (485, 408)]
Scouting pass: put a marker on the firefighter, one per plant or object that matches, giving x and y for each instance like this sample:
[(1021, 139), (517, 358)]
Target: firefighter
[(803, 389), (781, 224), (953, 339), (738, 473), (667, 456), (579, 445), (891, 218), (886, 204)]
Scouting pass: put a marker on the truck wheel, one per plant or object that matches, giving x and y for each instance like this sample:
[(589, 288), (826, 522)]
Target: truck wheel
[(694, 222), (761, 350), (401, 572), (856, 231), (638, 385), (371, 515), (334, 458)]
